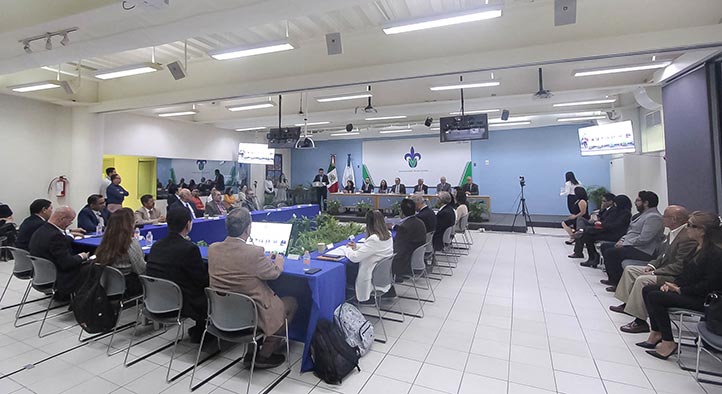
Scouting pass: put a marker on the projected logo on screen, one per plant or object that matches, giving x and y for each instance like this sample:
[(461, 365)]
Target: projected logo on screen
[(412, 158)]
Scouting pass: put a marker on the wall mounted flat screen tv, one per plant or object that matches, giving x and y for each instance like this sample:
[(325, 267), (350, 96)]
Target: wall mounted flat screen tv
[(464, 128), (607, 139), (285, 137), (255, 154)]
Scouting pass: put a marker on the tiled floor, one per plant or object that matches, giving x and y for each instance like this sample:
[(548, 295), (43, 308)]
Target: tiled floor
[(517, 316)]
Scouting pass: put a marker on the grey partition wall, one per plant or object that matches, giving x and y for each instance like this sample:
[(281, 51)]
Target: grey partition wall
[(688, 133)]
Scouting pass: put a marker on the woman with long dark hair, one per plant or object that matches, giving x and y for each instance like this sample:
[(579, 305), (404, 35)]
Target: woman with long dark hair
[(119, 250), (462, 208), (580, 211), (570, 183), (377, 246), (701, 275), (383, 187)]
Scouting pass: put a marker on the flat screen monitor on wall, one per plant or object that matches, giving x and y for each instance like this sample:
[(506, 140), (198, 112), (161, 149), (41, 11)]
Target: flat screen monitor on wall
[(464, 128), (607, 139), (285, 137), (255, 154)]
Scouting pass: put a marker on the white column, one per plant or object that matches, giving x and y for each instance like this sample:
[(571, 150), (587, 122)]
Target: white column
[(86, 155)]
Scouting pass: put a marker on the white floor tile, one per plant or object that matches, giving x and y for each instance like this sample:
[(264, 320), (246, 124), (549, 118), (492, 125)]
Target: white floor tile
[(487, 366), (380, 384), (569, 383), (399, 368), (447, 358), (534, 376), (439, 378), (473, 384)]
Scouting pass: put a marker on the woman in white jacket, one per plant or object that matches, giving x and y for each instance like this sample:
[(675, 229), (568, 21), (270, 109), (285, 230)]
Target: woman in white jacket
[(377, 246)]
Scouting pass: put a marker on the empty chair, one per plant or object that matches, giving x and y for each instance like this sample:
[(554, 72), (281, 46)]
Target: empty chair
[(22, 269), (233, 317), (711, 343), (44, 275), (430, 254)]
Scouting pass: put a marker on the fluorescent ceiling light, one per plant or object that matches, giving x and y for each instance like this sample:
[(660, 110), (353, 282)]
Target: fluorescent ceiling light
[(251, 106), (260, 49), (179, 113), (126, 71), (395, 131), (487, 84), (311, 124), (480, 111), (510, 124), (581, 118), (251, 129), (589, 102), (343, 134), (620, 69), (387, 117), (510, 120), (342, 97), (55, 70), (440, 21), (35, 86)]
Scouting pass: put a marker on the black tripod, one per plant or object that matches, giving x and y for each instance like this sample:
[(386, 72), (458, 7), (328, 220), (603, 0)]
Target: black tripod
[(522, 209)]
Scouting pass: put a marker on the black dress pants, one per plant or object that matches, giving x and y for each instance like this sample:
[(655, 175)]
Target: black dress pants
[(658, 303), (589, 238), (613, 258)]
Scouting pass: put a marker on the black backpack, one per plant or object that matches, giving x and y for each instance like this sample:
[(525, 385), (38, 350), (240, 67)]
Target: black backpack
[(333, 358), (93, 311)]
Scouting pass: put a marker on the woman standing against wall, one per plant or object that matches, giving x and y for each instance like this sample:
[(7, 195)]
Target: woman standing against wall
[(568, 190)]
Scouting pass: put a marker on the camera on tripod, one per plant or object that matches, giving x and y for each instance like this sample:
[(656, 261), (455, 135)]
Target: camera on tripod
[(522, 181)]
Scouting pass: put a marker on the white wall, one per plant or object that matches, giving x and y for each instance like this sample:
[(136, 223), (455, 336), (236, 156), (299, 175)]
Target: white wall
[(631, 173), (36, 148)]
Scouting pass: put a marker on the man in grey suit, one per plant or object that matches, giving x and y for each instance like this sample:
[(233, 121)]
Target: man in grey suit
[(443, 186), (215, 206), (147, 214), (642, 239), (674, 253)]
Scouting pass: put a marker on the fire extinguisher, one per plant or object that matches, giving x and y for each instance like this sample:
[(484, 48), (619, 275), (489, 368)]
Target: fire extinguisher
[(58, 186)]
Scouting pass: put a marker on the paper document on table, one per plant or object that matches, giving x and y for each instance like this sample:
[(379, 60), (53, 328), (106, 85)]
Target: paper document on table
[(362, 240), (338, 252)]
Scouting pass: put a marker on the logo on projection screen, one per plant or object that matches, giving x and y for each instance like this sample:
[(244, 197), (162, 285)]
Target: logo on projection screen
[(412, 158)]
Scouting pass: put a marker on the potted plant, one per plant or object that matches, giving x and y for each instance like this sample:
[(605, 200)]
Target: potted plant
[(396, 208), (595, 194), (476, 211), (333, 207), (362, 207)]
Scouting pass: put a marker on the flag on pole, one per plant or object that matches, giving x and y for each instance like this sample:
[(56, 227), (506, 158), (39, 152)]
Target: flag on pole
[(348, 172), (332, 175), (466, 173), (367, 174)]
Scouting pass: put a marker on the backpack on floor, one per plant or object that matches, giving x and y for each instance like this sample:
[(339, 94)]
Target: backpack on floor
[(91, 307), (358, 331), (332, 357)]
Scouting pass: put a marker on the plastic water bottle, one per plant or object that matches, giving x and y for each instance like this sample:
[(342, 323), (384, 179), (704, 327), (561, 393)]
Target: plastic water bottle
[(99, 229), (149, 238), (306, 258), (136, 234)]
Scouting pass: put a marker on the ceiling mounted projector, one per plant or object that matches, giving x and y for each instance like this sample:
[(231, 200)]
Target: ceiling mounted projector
[(305, 143), (542, 93)]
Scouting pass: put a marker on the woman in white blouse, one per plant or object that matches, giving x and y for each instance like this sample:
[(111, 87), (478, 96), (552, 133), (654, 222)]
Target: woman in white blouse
[(377, 246), (568, 190)]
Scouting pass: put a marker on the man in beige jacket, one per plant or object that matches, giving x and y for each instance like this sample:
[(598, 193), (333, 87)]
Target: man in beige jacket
[(238, 266)]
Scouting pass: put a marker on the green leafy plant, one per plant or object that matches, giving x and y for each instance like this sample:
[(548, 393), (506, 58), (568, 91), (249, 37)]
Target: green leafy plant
[(476, 211), (396, 208), (595, 194), (362, 207), (333, 207), (306, 234), (202, 243)]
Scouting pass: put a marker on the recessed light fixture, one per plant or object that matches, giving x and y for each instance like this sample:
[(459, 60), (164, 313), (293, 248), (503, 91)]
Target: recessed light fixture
[(620, 69), (251, 128), (480, 111), (510, 124), (343, 134), (581, 118), (251, 106), (311, 124), (387, 117), (588, 102), (260, 49), (126, 71), (470, 85), (179, 113), (35, 86), (440, 21), (395, 131), (343, 97)]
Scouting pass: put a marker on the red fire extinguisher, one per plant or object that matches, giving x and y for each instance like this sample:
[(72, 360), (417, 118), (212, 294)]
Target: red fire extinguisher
[(58, 186)]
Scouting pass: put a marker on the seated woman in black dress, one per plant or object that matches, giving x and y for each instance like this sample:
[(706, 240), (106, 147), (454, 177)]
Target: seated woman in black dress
[(349, 187), (580, 210), (701, 275)]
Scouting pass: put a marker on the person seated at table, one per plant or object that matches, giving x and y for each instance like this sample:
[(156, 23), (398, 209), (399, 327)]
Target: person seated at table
[(242, 194), (116, 194), (192, 185), (178, 259), (147, 214), (215, 207), (251, 202), (237, 265), (185, 201), (378, 245), (462, 208), (229, 199), (172, 195), (410, 234), (420, 187), (118, 249), (614, 226), (398, 187), (470, 188), (93, 214), (349, 187), (7, 229), (580, 212), (445, 218), (383, 187), (367, 187), (40, 212), (424, 213), (443, 186), (182, 184), (197, 202), (53, 241), (701, 276)]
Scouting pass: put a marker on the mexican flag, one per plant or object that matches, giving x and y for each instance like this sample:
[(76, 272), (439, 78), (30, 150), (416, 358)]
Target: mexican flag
[(332, 175)]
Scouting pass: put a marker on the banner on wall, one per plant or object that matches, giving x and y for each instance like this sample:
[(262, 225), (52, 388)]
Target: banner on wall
[(410, 159)]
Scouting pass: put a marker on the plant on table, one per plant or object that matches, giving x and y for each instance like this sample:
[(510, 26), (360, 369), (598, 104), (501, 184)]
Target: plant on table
[(307, 234), (202, 243)]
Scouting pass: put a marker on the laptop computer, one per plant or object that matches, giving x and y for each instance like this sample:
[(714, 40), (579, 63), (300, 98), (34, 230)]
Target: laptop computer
[(272, 237)]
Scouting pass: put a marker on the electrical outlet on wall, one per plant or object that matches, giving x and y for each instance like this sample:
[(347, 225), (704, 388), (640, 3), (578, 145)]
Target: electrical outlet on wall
[(486, 162)]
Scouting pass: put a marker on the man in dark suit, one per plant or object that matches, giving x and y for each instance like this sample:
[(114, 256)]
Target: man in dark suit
[(367, 187), (470, 188), (424, 213), (420, 187), (40, 212), (443, 186), (51, 241), (445, 218), (177, 259), (410, 234), (93, 214), (398, 187), (185, 201), (322, 191)]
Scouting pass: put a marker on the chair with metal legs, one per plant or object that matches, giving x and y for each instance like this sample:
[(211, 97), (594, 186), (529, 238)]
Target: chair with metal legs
[(44, 276), (448, 250), (418, 271), (430, 251), (23, 270), (678, 317), (711, 343), (460, 244), (233, 317), (381, 277)]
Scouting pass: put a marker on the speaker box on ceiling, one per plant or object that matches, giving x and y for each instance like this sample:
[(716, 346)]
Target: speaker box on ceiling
[(565, 12), (349, 127), (333, 43), (505, 114), (176, 70)]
